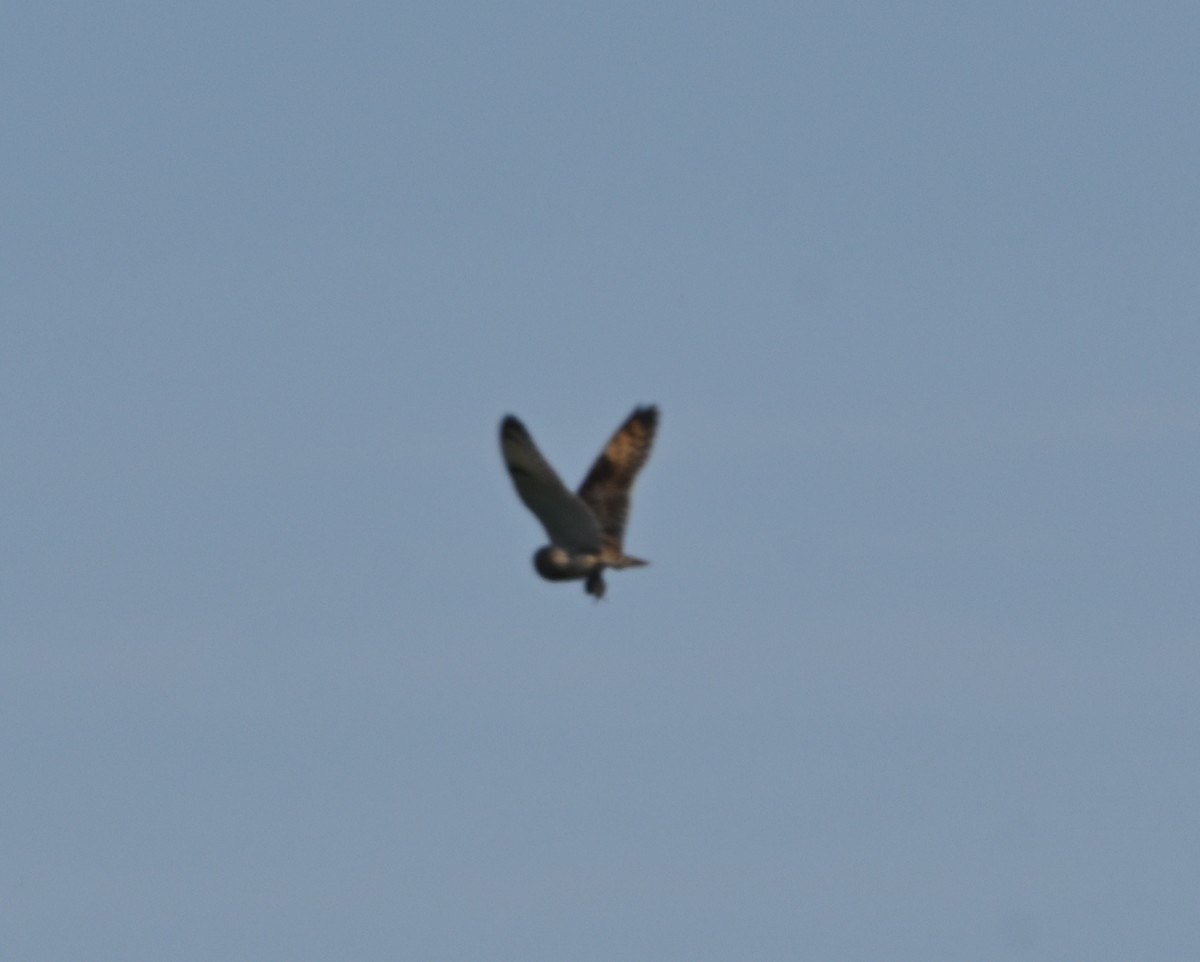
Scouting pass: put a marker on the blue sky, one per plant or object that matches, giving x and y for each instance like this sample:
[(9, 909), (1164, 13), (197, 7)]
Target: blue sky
[(913, 673)]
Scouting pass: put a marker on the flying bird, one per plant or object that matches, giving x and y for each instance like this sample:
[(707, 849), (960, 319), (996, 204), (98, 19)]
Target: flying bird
[(586, 529)]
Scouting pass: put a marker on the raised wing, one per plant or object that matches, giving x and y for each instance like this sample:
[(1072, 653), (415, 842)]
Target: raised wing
[(607, 487), (569, 523)]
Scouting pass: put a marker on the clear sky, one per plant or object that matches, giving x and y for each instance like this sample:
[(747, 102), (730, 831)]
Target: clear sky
[(914, 672)]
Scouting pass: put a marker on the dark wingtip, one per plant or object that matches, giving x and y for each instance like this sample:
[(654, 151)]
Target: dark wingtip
[(510, 426), (645, 415)]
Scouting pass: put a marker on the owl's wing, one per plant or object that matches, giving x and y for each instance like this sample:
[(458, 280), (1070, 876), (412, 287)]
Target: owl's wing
[(606, 489), (569, 523)]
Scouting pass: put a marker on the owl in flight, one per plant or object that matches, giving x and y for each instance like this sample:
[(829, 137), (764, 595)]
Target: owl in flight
[(585, 529)]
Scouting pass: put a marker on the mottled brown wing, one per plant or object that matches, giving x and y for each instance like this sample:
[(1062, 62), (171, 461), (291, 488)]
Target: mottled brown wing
[(569, 523), (607, 487)]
